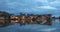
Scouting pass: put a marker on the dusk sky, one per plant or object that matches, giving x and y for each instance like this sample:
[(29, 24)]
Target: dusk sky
[(31, 6)]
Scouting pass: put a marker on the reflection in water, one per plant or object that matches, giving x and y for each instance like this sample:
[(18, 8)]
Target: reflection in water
[(47, 22), (55, 27)]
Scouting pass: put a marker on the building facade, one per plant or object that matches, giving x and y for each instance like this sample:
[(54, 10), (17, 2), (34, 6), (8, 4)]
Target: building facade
[(4, 18)]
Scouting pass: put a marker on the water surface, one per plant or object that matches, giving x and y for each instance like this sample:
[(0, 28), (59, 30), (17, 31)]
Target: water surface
[(55, 27)]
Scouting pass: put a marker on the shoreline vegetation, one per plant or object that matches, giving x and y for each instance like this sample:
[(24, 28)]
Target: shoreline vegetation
[(7, 18)]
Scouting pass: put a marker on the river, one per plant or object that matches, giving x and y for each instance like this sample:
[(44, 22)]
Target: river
[(55, 27)]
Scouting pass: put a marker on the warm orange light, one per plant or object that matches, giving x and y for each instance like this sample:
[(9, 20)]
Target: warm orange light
[(16, 17)]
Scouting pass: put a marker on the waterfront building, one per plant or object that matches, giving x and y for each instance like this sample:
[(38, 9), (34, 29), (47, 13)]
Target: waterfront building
[(34, 19), (4, 18), (39, 19), (22, 18), (48, 19), (14, 18)]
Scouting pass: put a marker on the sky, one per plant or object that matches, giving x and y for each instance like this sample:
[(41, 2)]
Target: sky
[(31, 6)]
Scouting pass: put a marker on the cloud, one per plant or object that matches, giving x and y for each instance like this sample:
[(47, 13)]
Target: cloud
[(42, 2), (55, 4), (45, 1), (29, 6), (47, 7)]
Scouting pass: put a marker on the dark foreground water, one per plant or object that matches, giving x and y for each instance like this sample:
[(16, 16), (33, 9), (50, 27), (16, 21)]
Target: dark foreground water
[(55, 27)]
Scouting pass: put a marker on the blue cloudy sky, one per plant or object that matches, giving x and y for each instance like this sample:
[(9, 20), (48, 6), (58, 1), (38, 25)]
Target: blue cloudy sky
[(31, 6)]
